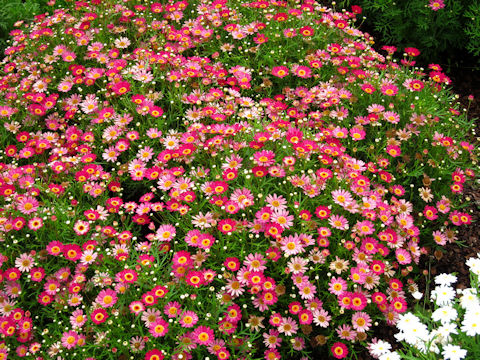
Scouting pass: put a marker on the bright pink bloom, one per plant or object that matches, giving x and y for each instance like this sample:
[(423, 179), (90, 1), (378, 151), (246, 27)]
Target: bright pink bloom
[(280, 71), (339, 350)]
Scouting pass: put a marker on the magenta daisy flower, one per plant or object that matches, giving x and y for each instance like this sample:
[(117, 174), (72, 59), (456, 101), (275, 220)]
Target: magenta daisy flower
[(188, 319), (195, 278), (69, 339), (264, 158), (389, 89), (203, 335), (339, 350), (106, 298), (158, 328), (280, 71), (99, 316)]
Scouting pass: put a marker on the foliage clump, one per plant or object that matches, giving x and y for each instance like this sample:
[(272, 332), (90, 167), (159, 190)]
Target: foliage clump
[(442, 29)]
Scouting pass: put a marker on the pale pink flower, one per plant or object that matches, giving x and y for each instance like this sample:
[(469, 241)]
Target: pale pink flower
[(24, 262), (291, 245), (275, 201), (288, 326), (361, 321), (321, 317), (27, 205)]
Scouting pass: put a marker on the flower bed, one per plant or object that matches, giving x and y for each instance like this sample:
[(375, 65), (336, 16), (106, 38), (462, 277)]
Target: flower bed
[(217, 180)]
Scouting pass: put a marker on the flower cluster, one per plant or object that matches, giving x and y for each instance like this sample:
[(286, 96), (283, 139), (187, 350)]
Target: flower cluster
[(223, 179), (450, 332)]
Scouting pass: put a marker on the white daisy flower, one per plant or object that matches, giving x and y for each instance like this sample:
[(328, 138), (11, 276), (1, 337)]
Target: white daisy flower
[(443, 295), (453, 352), (445, 279), (444, 314)]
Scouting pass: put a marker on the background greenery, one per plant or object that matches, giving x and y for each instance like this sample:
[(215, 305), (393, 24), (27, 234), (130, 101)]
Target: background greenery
[(12, 11), (448, 36)]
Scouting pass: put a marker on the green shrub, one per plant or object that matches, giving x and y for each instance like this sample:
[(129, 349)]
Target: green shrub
[(439, 28), (13, 11)]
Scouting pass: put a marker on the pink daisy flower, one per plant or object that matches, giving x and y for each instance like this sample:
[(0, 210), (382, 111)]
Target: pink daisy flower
[(24, 262), (110, 154), (276, 202), (288, 326), (27, 205), (254, 262), (436, 5), (321, 317), (283, 218), (106, 298), (346, 332), (203, 335), (272, 339), (389, 89), (234, 287), (338, 222), (302, 71), (403, 256), (35, 223), (158, 328), (365, 227), (307, 291), (264, 158), (136, 307), (361, 321), (337, 285), (280, 71), (69, 339), (341, 197), (297, 265), (165, 232), (188, 319), (78, 319), (291, 245), (81, 227)]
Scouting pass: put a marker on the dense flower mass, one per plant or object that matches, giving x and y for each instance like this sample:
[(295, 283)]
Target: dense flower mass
[(222, 179)]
